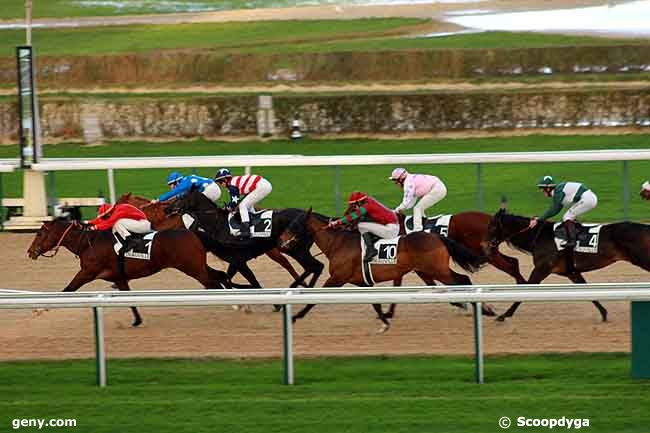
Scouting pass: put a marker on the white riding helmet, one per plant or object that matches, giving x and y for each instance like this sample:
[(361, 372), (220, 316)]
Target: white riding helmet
[(398, 174)]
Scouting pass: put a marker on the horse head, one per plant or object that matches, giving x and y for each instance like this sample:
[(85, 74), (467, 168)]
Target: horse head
[(50, 236), (495, 232)]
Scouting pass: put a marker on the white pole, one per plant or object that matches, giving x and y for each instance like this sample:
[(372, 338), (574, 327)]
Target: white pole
[(100, 351), (288, 345), (247, 170), (111, 185), (478, 341), (28, 21)]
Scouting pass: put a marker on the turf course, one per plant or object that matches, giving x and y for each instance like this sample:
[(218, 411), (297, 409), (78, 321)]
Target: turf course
[(405, 394), (315, 186), (276, 37)]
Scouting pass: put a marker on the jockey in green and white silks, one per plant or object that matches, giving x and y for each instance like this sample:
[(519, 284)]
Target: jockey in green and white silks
[(576, 195)]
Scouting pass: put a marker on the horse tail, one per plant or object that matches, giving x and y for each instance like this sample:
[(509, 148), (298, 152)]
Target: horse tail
[(463, 256)]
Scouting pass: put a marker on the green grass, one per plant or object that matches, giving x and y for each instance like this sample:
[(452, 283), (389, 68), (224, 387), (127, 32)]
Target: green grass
[(14, 9), (315, 186), (365, 394), (218, 36), (274, 37)]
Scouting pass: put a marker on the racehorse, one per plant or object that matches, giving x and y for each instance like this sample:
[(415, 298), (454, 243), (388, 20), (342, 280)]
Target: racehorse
[(160, 220), (426, 254), (178, 249), (216, 237), (626, 241)]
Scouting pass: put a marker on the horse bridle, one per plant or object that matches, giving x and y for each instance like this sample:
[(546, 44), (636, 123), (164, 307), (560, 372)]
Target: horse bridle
[(58, 245), (494, 243)]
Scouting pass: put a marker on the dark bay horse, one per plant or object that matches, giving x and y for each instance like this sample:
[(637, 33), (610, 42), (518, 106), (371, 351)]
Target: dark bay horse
[(625, 241), (426, 254), (160, 220), (178, 249), (237, 252)]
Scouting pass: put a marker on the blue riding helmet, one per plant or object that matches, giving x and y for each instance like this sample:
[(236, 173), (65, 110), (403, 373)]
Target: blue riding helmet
[(174, 177), (222, 174)]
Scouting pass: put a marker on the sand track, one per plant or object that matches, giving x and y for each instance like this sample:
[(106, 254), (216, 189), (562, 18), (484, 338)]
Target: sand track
[(328, 330)]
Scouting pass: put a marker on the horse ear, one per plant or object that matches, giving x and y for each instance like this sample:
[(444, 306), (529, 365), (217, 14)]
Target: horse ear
[(309, 211)]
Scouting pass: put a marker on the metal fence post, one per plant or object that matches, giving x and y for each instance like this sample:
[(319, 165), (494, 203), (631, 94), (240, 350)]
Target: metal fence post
[(100, 351), (111, 185), (479, 186), (248, 170), (337, 190), (626, 191), (478, 341), (288, 345)]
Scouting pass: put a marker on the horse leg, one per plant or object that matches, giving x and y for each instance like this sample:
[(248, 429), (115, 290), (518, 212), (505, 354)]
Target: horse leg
[(312, 267), (331, 282), (124, 286), (280, 259), (82, 277), (391, 310), (247, 273), (577, 278), (507, 264), (537, 276), (380, 315)]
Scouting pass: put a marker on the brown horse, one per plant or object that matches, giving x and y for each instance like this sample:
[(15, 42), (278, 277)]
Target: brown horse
[(618, 241), (426, 254), (162, 221), (178, 249)]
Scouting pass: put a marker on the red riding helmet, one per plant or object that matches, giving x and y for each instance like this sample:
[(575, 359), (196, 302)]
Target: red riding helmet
[(357, 196), (104, 209)]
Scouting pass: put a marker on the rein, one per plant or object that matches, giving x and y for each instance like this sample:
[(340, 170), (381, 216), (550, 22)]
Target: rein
[(58, 245)]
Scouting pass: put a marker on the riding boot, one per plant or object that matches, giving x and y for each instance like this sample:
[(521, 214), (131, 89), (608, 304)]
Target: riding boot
[(245, 231), (371, 251), (571, 236)]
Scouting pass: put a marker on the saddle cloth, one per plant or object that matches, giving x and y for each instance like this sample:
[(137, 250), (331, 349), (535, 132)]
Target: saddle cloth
[(261, 223), (438, 224), (387, 255), (588, 236), (141, 246)]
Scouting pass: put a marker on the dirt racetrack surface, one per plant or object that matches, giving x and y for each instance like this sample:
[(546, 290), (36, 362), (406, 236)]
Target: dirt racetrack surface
[(327, 330)]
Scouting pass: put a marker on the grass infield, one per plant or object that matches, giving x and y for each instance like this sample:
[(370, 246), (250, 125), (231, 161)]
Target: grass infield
[(364, 394), (315, 186)]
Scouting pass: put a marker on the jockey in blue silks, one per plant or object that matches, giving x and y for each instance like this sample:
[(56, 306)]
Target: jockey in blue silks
[(180, 185)]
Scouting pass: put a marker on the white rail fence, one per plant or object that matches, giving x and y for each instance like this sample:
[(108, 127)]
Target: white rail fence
[(249, 161), (16, 299)]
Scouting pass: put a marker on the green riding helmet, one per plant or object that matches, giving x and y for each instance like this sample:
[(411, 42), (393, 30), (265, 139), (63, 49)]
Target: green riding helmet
[(546, 182)]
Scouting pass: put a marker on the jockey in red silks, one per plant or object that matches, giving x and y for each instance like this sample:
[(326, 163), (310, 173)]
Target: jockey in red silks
[(375, 219), (123, 219)]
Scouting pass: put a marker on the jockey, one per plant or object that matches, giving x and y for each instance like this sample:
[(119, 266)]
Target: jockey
[(179, 185), (253, 188), (645, 190), (375, 219), (579, 197), (123, 219), (429, 189)]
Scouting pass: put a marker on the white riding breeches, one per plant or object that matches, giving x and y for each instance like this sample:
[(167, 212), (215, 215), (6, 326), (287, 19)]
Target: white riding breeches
[(587, 202), (212, 191), (125, 226), (437, 193), (388, 231), (262, 189)]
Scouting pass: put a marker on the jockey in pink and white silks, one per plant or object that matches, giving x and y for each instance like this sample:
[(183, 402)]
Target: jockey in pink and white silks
[(429, 189), (253, 188)]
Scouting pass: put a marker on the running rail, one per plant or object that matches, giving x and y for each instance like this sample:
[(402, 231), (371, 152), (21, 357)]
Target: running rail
[(51, 164), (476, 295)]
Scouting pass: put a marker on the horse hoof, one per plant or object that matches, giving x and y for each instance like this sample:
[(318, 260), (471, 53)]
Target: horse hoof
[(488, 310), (248, 309), (136, 323), (235, 307), (277, 308), (38, 311), (383, 329), (294, 319), (501, 318)]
